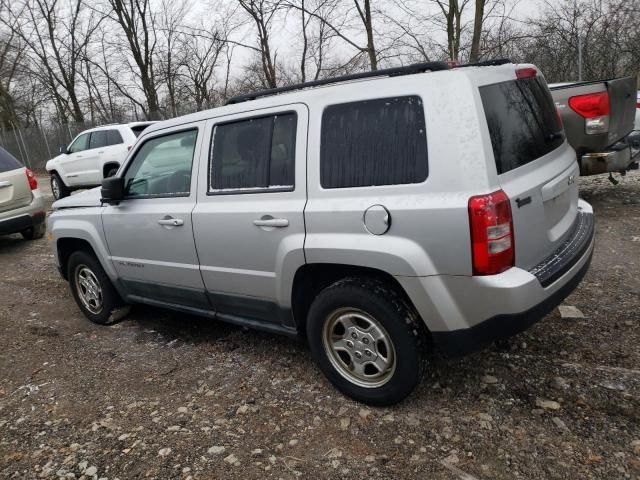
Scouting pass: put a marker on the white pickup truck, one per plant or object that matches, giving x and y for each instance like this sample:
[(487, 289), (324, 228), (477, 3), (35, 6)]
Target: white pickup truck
[(93, 155)]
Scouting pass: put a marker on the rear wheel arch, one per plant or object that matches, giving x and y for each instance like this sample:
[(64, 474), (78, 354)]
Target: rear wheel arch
[(310, 279)]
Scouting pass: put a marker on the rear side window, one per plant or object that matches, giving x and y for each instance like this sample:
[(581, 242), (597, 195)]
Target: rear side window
[(375, 142), (522, 119), (98, 139), (254, 154), (114, 138), (8, 162), (138, 129)]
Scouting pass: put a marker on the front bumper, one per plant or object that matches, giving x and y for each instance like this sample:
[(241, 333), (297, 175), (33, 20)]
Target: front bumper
[(466, 313)]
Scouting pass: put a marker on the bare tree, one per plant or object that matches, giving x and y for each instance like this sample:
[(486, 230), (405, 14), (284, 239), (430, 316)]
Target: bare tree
[(262, 13), (478, 19), (10, 57), (202, 56), (336, 17), (138, 23), (56, 42)]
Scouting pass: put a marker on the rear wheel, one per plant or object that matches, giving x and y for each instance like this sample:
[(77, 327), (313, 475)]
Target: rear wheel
[(58, 188), (35, 232), (92, 289), (367, 340)]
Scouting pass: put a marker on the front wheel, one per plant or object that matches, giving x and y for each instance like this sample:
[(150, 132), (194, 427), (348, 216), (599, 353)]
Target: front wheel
[(367, 340), (92, 289), (58, 188)]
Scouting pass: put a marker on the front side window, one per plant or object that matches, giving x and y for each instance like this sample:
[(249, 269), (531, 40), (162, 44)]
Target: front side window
[(162, 166), (81, 143), (254, 154), (373, 142)]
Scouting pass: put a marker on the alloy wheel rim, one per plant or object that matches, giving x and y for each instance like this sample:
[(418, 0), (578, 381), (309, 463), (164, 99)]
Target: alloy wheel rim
[(359, 348), (89, 289), (55, 188)]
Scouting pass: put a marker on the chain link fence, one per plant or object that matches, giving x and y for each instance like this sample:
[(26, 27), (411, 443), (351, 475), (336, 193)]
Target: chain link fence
[(33, 146)]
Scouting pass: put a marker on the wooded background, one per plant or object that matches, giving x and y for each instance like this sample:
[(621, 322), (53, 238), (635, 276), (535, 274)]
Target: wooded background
[(66, 65)]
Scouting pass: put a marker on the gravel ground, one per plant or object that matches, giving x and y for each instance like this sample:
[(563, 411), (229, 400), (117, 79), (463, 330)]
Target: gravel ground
[(164, 395)]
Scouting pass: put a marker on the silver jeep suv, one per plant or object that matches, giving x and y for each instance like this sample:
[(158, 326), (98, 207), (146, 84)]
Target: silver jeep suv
[(382, 216)]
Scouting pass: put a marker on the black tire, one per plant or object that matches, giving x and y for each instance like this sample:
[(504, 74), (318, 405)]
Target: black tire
[(402, 326), (58, 188), (80, 261), (111, 172), (35, 232)]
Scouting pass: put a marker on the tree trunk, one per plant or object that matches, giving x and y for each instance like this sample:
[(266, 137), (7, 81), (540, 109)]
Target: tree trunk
[(474, 56)]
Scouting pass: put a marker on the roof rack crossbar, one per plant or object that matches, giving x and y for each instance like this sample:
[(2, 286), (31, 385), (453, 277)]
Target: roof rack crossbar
[(387, 72)]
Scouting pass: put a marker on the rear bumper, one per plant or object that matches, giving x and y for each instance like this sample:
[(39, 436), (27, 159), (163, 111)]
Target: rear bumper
[(16, 221), (466, 313), (616, 158), (457, 343)]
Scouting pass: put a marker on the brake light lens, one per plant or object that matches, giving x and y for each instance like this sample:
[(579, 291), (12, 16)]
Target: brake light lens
[(491, 226), (591, 105), (527, 72), (33, 183)]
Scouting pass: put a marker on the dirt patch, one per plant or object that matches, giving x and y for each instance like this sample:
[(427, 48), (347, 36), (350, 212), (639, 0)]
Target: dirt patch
[(165, 395)]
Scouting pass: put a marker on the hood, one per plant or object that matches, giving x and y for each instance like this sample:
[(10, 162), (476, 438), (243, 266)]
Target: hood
[(50, 165), (88, 198)]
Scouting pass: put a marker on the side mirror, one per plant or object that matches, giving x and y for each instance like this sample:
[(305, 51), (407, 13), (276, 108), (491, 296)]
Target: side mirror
[(112, 191), (64, 150)]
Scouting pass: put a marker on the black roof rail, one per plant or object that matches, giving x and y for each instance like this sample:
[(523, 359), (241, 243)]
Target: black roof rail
[(486, 63), (387, 72)]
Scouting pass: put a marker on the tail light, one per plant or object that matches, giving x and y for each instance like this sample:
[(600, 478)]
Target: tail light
[(594, 107), (33, 183), (527, 72), (491, 227)]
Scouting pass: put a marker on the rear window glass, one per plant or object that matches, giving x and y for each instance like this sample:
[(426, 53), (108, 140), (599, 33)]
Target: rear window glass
[(8, 162), (375, 142), (522, 119)]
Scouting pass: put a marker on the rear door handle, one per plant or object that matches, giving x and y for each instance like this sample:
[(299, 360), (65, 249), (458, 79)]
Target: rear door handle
[(171, 222), (5, 184), (271, 222)]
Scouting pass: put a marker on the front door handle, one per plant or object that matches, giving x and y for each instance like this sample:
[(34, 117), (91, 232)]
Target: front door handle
[(268, 221), (5, 184), (171, 222)]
